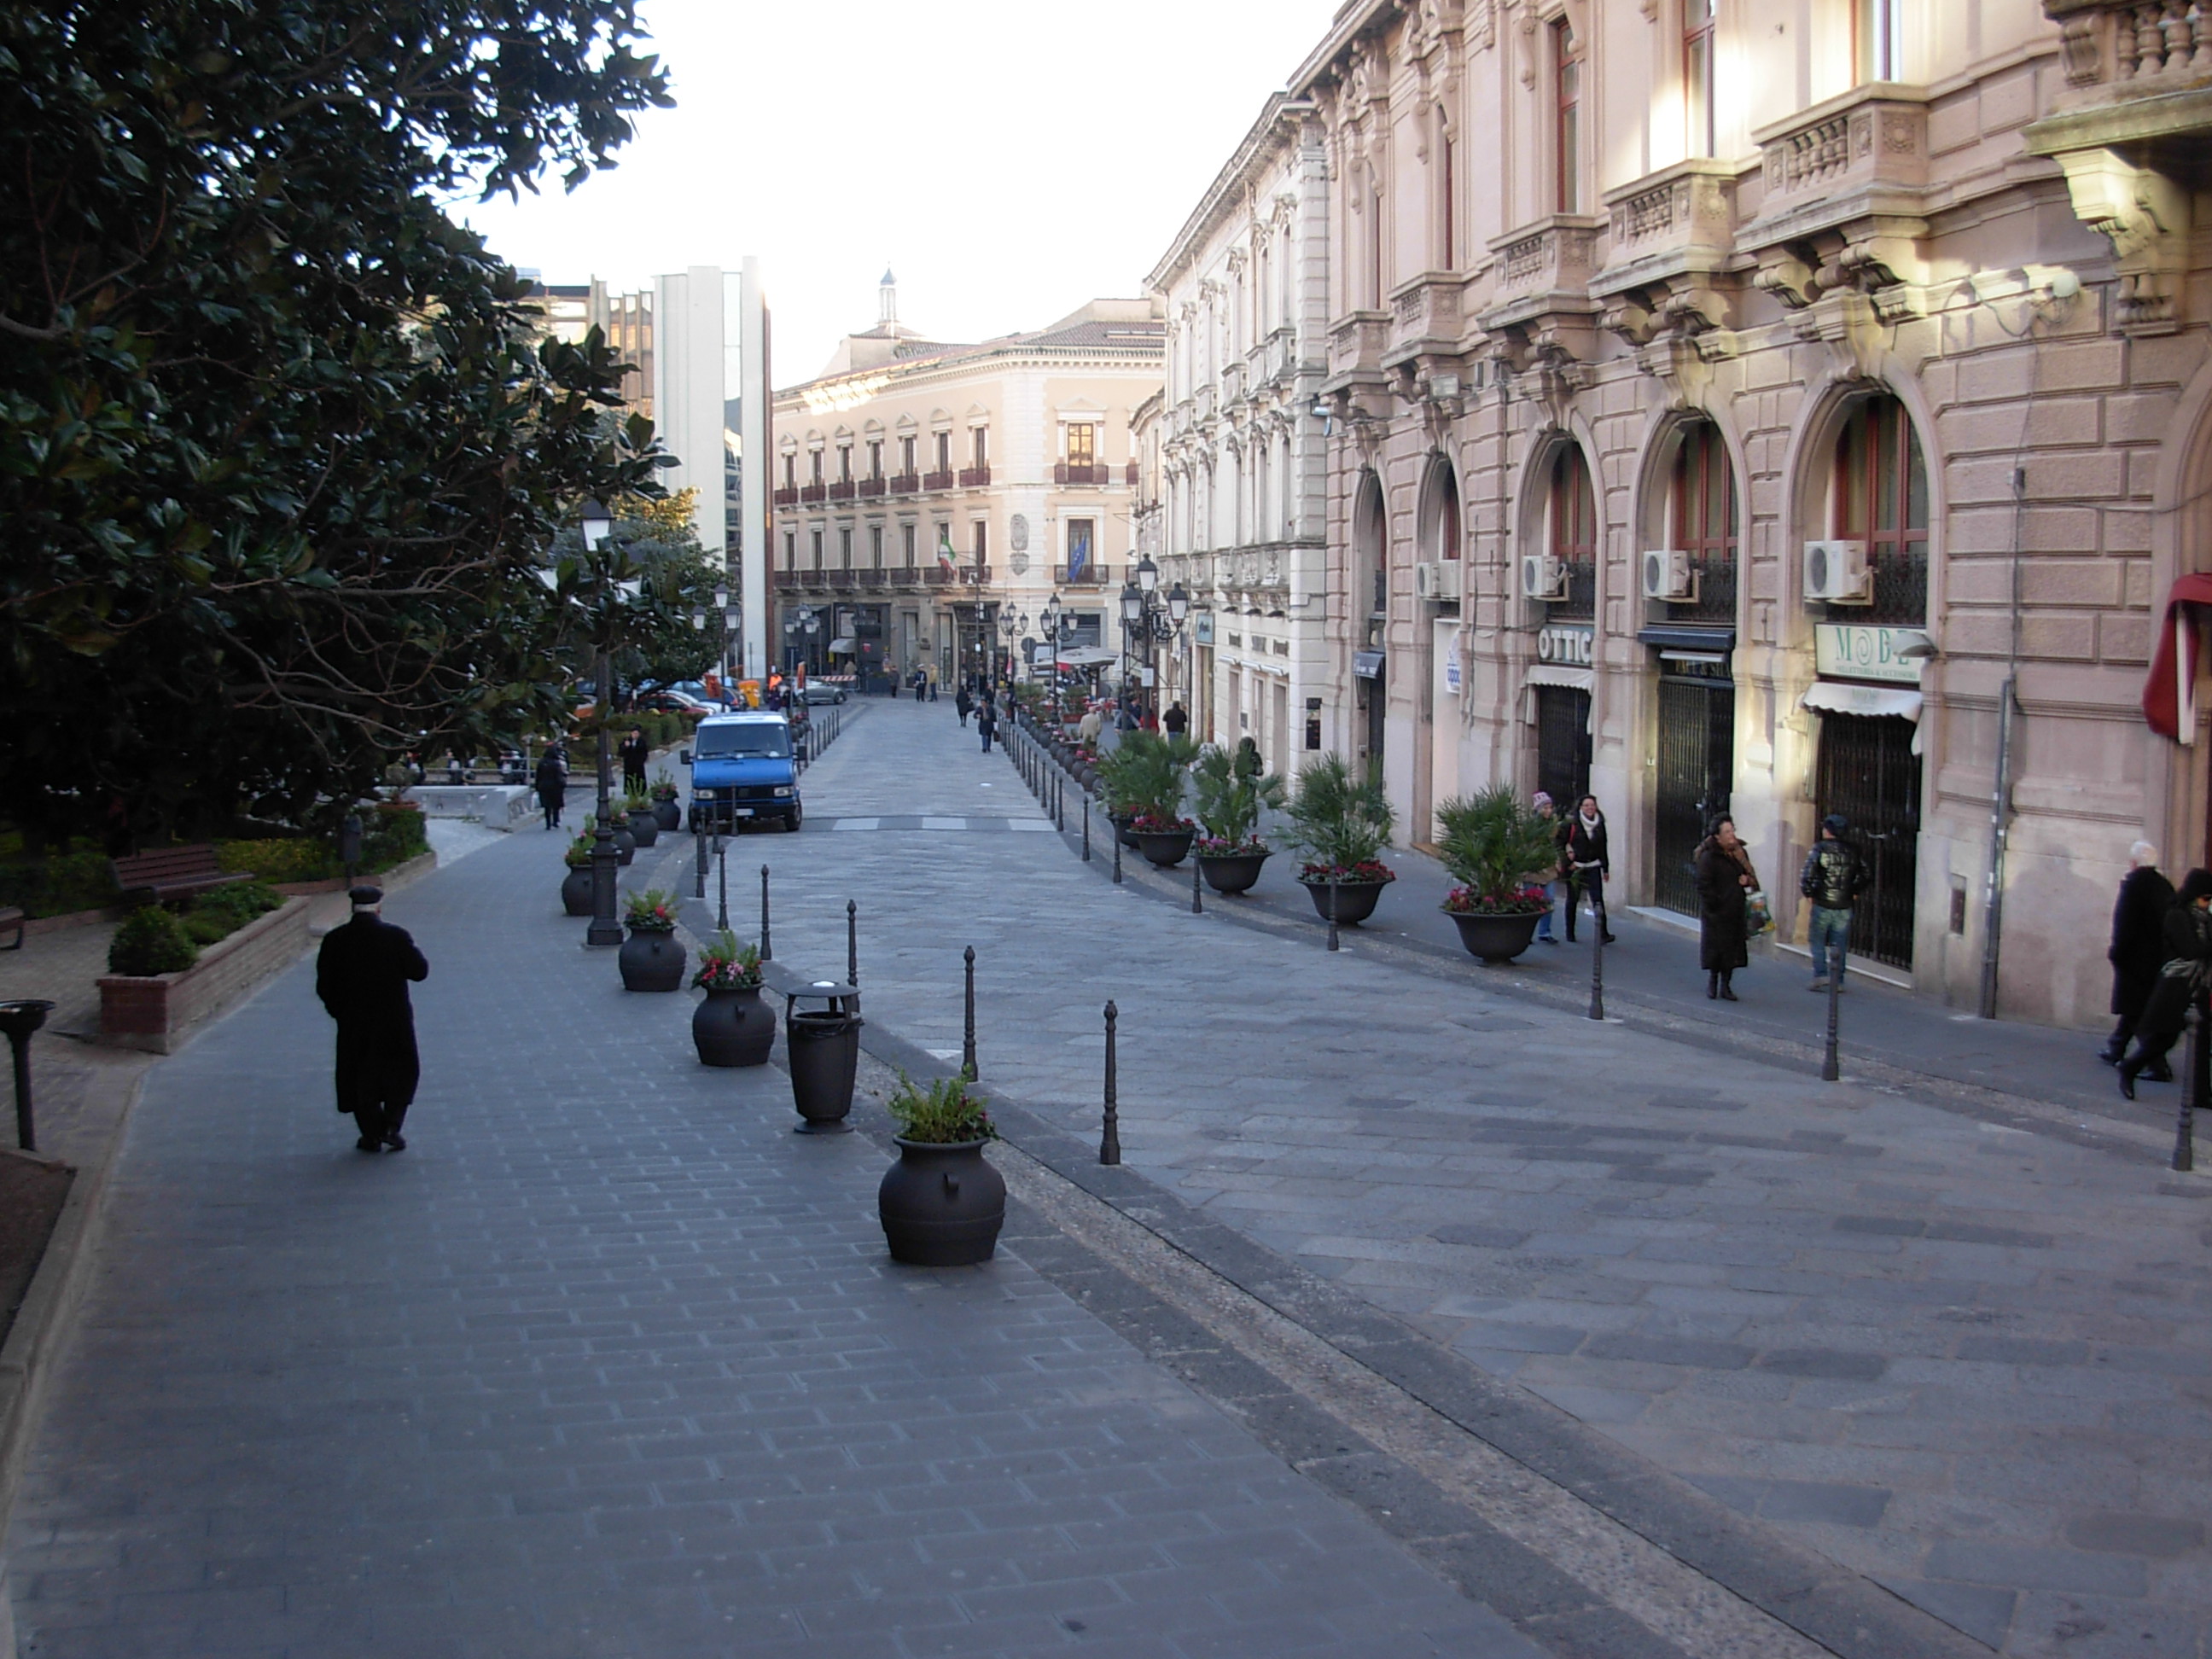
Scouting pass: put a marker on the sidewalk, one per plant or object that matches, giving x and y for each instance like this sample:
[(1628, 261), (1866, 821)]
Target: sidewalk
[(1961, 1358), (609, 1363)]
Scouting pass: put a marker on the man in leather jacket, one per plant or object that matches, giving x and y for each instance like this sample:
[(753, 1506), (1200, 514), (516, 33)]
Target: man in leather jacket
[(1833, 877)]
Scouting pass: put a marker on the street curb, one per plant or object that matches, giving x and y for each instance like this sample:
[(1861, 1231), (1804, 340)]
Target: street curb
[(1851, 1616)]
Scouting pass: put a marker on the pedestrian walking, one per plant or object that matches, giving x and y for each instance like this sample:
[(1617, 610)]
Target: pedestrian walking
[(1725, 882), (964, 705), (921, 684), (362, 975), (987, 722), (635, 751), (1834, 875), (2182, 982), (2138, 947), (1546, 810), (1174, 722), (1589, 861), (551, 782)]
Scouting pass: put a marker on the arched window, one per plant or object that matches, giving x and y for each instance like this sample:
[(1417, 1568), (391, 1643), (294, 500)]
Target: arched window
[(1880, 498), (1573, 534), (1701, 511), (1440, 513)]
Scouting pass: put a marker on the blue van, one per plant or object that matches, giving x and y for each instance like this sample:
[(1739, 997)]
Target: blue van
[(741, 770)]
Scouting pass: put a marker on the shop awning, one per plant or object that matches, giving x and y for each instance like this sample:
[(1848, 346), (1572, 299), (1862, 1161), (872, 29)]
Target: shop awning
[(1840, 697), (1088, 656), (2169, 698), (1552, 673), (1367, 664), (841, 647)]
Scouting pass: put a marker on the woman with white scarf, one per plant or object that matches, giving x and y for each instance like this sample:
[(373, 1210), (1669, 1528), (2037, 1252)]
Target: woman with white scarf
[(1588, 863)]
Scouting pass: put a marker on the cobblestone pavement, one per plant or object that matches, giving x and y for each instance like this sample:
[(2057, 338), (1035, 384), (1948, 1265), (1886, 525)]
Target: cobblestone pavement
[(1968, 1361), (609, 1363)]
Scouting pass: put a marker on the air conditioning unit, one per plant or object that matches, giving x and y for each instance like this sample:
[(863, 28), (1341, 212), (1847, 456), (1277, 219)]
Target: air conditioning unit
[(1667, 575), (1439, 581), (1839, 573), (1543, 577)]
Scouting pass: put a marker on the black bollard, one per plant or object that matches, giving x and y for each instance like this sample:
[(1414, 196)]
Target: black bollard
[(1086, 829), (2184, 1126), (1059, 801), (1109, 1139), (721, 883), (1830, 1072), (766, 953), (1597, 965), (853, 942), (1117, 853), (967, 1033), (699, 863), (1332, 911), (19, 1019), (1197, 906)]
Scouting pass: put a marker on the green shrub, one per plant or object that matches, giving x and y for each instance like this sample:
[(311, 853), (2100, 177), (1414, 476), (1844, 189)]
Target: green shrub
[(238, 903), (151, 941), (294, 858), (77, 878), (943, 1113), (396, 834), (204, 927)]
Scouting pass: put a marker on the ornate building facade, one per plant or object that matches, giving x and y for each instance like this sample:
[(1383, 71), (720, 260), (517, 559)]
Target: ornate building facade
[(1778, 410), (931, 500)]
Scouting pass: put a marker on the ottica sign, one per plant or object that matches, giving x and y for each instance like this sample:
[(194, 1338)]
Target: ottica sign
[(1569, 647)]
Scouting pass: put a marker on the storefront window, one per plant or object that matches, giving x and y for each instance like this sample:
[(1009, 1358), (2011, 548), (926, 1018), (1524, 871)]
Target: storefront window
[(1705, 522), (1574, 534), (1881, 499)]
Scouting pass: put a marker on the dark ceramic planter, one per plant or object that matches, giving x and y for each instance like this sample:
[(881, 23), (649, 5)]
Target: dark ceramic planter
[(576, 891), (651, 962), (644, 826), (625, 844), (734, 1028), (668, 815), (824, 1047), (942, 1207), (1495, 938), (1231, 872), (1355, 900), (1125, 834), (1164, 848)]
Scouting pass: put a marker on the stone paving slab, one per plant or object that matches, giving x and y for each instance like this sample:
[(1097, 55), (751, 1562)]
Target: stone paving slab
[(1961, 1358), (610, 1363)]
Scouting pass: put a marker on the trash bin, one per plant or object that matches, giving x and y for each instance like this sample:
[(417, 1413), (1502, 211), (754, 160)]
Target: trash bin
[(824, 1047)]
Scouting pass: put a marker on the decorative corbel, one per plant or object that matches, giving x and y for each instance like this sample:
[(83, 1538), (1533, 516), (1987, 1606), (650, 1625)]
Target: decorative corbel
[(1630, 319), (2145, 217), (1790, 279)]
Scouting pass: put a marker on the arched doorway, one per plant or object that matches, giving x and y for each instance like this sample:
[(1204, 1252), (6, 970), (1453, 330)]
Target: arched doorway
[(1566, 635), (1691, 625), (1369, 602)]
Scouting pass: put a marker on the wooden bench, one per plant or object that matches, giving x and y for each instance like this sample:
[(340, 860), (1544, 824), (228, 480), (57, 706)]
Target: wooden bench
[(173, 872), (12, 916)]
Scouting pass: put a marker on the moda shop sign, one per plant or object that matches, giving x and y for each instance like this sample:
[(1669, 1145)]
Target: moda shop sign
[(1857, 651)]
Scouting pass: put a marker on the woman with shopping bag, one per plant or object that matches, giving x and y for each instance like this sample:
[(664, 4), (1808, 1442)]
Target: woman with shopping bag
[(1726, 885)]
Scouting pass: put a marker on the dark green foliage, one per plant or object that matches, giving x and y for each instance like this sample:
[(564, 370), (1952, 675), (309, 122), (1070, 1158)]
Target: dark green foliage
[(78, 879), (1493, 844), (276, 455), (1229, 786), (151, 941), (1336, 820), (945, 1113)]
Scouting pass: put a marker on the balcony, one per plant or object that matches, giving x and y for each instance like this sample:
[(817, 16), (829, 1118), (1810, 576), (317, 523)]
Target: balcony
[(1425, 319), (1090, 575), (843, 579), (813, 492), (1680, 218), (1860, 156), (1356, 343), (1544, 270), (1096, 472), (1129, 475), (787, 496), (871, 489), (841, 491), (905, 483), (936, 481), (974, 477)]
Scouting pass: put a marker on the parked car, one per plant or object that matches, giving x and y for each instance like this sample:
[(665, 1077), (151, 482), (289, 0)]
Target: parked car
[(672, 702), (822, 691)]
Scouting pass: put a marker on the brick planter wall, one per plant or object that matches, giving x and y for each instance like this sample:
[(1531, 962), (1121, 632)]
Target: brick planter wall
[(155, 1013)]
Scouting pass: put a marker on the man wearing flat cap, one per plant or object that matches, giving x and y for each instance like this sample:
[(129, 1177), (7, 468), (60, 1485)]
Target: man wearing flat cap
[(361, 976)]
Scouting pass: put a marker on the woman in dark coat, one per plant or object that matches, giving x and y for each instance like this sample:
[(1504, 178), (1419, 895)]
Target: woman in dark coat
[(2181, 982), (2138, 948), (1589, 862), (1724, 876), (552, 783)]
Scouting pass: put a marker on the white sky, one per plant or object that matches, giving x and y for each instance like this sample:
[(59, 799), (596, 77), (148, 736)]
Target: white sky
[(1008, 159)]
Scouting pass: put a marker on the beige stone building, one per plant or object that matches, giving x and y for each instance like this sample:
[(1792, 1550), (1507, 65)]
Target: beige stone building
[(931, 498), (1781, 408)]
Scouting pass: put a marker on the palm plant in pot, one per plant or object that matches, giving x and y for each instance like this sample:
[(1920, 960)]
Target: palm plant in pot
[(1493, 845), (576, 885), (1228, 788), (942, 1204), (637, 810), (1151, 767), (1340, 823), (651, 959), (666, 811), (732, 1027)]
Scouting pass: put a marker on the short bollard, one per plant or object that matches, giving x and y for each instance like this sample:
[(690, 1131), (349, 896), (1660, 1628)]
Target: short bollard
[(968, 1030), (1059, 801), (1086, 829), (1597, 967), (722, 884), (1830, 1072), (1197, 904), (1117, 853), (851, 942), (1332, 913), (2184, 1126), (19, 1019), (699, 863), (1109, 1139), (768, 953)]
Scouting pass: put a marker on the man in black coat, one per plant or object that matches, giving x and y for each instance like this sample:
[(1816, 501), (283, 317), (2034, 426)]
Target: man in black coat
[(635, 751), (361, 976), (2138, 948)]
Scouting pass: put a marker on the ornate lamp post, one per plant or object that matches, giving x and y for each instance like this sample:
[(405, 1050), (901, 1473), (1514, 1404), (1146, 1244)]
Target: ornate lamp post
[(1148, 620)]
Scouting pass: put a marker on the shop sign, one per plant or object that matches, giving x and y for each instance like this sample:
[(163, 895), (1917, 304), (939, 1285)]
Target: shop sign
[(1451, 674), (1855, 651), (1201, 628), (1568, 647)]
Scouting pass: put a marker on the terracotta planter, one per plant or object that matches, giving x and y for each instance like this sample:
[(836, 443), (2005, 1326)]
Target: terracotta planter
[(1497, 938), (1231, 872), (1355, 900), (734, 1028), (651, 962), (668, 815), (644, 826), (941, 1206), (1164, 848), (576, 891)]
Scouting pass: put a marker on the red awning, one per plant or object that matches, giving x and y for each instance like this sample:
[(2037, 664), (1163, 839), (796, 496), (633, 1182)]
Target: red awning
[(2169, 698)]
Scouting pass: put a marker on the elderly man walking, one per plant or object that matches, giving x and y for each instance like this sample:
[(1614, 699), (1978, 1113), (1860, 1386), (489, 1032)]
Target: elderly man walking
[(362, 975), (2138, 950)]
